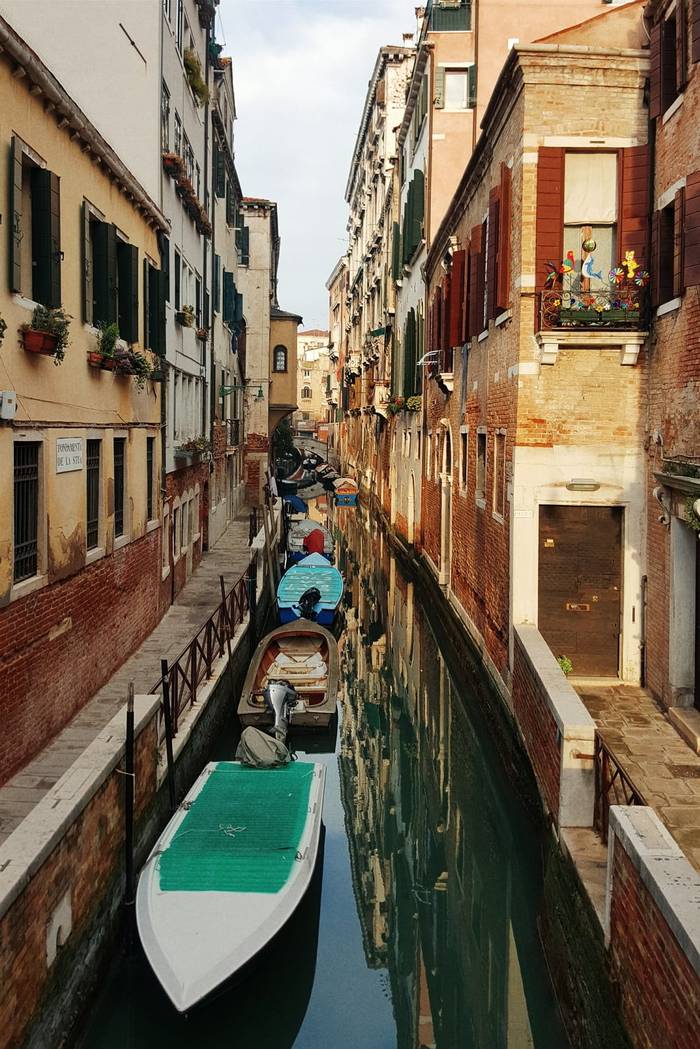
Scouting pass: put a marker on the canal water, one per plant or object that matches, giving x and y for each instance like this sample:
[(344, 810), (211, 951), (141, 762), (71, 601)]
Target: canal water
[(420, 930)]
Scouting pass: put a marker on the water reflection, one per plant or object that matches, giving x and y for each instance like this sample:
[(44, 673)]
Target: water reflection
[(445, 868)]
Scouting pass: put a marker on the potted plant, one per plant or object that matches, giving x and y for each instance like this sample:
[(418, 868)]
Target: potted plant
[(193, 450), (414, 404), (173, 164), (3, 329), (140, 368), (193, 69), (202, 333), (48, 332), (106, 352), (185, 316)]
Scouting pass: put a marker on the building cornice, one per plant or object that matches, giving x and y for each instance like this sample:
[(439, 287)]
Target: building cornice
[(58, 104)]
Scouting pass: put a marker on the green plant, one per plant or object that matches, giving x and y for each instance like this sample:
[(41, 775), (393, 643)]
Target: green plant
[(187, 316), (195, 444), (140, 368), (566, 665), (3, 329), (691, 517), (414, 404), (107, 336), (54, 321), (193, 69)]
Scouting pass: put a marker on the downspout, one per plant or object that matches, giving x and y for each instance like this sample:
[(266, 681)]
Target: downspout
[(166, 376), (418, 526), (205, 268)]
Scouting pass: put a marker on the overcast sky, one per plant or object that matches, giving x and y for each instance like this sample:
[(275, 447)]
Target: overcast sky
[(301, 69)]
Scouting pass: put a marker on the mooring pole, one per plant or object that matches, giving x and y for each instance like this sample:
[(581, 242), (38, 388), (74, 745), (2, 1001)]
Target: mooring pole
[(129, 818), (252, 588), (168, 721), (229, 632)]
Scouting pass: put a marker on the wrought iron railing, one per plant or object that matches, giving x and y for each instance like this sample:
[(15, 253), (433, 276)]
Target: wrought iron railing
[(195, 663), (623, 307), (233, 432), (613, 786)]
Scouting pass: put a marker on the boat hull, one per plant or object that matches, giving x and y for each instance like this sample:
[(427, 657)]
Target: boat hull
[(346, 498), (197, 940), (290, 614)]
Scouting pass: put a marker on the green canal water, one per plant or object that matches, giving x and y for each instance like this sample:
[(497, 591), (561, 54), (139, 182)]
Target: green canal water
[(420, 929)]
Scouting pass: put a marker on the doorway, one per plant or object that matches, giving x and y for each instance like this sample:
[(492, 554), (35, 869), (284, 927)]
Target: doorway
[(580, 586), (446, 510)]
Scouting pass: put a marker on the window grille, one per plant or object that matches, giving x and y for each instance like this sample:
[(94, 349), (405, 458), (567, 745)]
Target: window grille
[(26, 510), (119, 443), (93, 494)]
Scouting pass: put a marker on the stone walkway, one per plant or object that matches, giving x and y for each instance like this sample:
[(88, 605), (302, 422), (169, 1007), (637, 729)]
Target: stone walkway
[(662, 767), (193, 606)]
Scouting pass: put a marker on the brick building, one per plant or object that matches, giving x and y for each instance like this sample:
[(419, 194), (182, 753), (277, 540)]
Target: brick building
[(673, 430), (533, 486)]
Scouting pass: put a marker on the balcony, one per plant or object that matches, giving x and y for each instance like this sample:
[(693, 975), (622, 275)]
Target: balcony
[(614, 315), (450, 16)]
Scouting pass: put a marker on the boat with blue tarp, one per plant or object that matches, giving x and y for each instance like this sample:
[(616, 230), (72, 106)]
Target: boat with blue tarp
[(296, 587)]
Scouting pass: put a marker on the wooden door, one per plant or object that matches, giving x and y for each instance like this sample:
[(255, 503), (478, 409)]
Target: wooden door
[(580, 586)]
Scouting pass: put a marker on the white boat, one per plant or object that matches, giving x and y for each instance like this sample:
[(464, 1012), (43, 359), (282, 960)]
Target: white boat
[(224, 876)]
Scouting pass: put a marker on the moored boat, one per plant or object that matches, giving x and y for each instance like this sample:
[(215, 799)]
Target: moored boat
[(298, 532), (311, 588), (346, 491), (305, 655), (228, 872)]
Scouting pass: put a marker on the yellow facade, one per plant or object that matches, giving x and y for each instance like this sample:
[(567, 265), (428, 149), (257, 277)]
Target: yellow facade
[(283, 384)]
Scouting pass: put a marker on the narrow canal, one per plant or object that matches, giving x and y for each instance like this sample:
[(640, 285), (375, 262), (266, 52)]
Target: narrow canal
[(420, 929)]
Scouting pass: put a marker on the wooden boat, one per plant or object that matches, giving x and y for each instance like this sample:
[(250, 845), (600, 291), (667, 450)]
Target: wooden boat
[(305, 655), (225, 876), (313, 571), (298, 533), (346, 491)]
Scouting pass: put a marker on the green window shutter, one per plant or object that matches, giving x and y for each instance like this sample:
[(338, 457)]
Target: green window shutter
[(220, 173), (408, 224), (439, 93), (216, 283), (146, 305), (230, 206), (418, 207), (409, 373), (245, 246), (164, 245), (178, 270), (87, 264), (471, 88), (424, 97), (229, 298), (156, 310), (16, 231), (238, 308), (395, 249), (239, 230), (128, 269), (104, 240), (46, 237)]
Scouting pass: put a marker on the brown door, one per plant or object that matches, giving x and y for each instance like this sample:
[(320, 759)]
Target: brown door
[(580, 583)]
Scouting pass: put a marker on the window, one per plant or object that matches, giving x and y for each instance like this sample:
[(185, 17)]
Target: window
[(418, 444), (666, 253), (165, 541), (92, 478), (164, 118), (499, 474), (184, 519), (119, 481), (35, 234), (306, 373), (450, 16), (455, 89), (590, 213), (178, 134), (280, 359), (150, 447), (26, 510), (198, 301), (481, 466), (191, 521), (168, 8), (456, 86), (670, 88), (176, 533), (216, 281), (188, 157), (197, 181), (463, 460), (306, 393), (179, 19), (178, 278)]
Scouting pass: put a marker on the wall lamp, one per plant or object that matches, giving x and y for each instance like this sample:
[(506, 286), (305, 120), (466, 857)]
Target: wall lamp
[(582, 484), (224, 391)]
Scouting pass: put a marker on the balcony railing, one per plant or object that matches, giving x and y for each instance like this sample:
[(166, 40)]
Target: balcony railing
[(613, 786), (623, 307), (233, 432), (450, 17)]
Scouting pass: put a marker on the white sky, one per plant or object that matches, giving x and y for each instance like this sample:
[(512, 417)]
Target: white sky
[(301, 69)]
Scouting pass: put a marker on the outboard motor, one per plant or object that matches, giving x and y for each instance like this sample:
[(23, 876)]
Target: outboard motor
[(279, 696), (307, 601)]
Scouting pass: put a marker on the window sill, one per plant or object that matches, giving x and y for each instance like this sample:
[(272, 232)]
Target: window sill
[(165, 572), (498, 517), (673, 108), (28, 586), (669, 307), (152, 525), (96, 554), (484, 335), (121, 541), (23, 302), (481, 503), (502, 318), (196, 538)]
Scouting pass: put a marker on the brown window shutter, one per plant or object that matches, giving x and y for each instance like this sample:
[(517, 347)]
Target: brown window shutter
[(465, 294), (691, 233), (695, 32), (437, 320), (655, 258), (445, 318), (550, 211), (475, 267), (457, 297), (681, 44), (504, 224), (492, 256), (655, 71), (481, 315), (633, 206), (678, 247)]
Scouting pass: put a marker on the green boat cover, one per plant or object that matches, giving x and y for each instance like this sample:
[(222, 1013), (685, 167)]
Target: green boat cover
[(241, 833)]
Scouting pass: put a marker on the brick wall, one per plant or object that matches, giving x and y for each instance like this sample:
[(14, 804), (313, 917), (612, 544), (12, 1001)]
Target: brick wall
[(659, 988), (538, 727), (62, 643)]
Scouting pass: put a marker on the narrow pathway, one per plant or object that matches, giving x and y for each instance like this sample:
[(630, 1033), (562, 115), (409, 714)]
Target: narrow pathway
[(193, 605)]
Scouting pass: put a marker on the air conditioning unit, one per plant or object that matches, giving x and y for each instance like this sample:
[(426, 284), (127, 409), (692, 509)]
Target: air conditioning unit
[(8, 404)]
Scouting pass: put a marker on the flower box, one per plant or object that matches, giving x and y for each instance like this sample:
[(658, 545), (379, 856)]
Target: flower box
[(202, 333), (95, 359), (184, 318), (39, 341)]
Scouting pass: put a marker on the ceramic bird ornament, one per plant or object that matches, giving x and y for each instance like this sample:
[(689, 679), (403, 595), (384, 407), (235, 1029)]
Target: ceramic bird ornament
[(587, 268), (569, 263)]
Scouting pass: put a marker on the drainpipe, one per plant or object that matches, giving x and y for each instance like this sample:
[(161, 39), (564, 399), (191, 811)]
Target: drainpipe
[(643, 634), (205, 268)]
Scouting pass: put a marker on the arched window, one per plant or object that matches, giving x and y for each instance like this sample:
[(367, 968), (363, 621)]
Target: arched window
[(280, 359), (306, 393)]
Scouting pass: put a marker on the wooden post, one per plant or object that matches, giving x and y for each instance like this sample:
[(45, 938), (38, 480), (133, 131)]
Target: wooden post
[(229, 632), (168, 721), (252, 590), (268, 553), (129, 818)]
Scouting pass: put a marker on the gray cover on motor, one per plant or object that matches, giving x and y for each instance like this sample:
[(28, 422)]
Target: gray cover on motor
[(261, 751)]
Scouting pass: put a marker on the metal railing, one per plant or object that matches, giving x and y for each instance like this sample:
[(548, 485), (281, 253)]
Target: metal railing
[(195, 663), (623, 307), (613, 786), (233, 432)]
